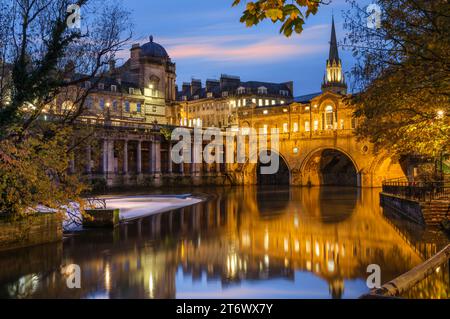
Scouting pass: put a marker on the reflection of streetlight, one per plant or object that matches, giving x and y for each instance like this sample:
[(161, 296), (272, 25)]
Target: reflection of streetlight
[(440, 114)]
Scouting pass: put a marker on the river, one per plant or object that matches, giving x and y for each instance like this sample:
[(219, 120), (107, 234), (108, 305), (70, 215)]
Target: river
[(238, 243)]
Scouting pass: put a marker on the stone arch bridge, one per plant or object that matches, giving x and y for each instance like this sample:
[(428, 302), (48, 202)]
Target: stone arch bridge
[(328, 158)]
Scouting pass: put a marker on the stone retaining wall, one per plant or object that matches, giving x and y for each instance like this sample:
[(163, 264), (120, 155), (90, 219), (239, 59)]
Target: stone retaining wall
[(405, 207), (29, 231)]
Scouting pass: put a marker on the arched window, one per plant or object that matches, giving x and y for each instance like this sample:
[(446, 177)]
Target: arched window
[(329, 117)]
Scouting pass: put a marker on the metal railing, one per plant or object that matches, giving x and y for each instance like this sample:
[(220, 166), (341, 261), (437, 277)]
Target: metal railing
[(96, 203), (418, 190)]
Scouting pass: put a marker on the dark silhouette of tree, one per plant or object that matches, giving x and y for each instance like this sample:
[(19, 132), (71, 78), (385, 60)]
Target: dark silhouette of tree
[(45, 60), (402, 74)]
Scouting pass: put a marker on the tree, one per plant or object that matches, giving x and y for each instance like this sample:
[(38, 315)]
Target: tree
[(292, 14), (402, 74), (43, 62)]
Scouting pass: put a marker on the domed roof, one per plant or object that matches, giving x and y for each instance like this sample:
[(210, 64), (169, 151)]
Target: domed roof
[(153, 49)]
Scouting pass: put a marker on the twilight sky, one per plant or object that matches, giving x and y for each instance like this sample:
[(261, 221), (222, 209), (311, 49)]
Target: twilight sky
[(205, 39)]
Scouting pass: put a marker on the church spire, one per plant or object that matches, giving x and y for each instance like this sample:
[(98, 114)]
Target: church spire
[(334, 53), (334, 78)]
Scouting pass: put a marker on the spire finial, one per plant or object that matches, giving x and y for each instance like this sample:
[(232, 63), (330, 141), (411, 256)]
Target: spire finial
[(334, 53), (151, 38)]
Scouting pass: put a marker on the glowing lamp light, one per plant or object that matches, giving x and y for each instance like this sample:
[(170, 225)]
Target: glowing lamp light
[(440, 114), (295, 150), (265, 112)]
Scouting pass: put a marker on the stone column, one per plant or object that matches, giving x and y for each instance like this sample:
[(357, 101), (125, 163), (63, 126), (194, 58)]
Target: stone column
[(169, 164), (218, 159), (110, 159), (156, 157), (125, 157), (88, 159), (139, 157), (105, 157), (181, 168)]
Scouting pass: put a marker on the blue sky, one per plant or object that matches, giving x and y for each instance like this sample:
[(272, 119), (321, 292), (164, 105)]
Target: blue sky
[(205, 39)]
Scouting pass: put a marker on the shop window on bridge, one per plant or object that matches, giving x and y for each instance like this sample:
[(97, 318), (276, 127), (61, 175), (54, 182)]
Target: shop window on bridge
[(307, 126), (285, 127), (295, 129)]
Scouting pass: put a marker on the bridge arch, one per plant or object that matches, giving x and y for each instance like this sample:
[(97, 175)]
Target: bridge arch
[(330, 166), (281, 177)]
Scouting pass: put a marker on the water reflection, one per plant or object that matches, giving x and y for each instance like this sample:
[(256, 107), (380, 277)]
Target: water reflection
[(242, 243)]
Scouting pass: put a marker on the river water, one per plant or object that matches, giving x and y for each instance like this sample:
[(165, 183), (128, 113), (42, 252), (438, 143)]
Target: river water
[(238, 243)]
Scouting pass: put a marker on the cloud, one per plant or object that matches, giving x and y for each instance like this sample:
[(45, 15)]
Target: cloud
[(251, 48), (247, 48)]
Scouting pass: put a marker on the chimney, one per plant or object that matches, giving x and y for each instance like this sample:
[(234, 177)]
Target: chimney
[(186, 89), (69, 69), (211, 85), (135, 54), (112, 66), (229, 82), (196, 85)]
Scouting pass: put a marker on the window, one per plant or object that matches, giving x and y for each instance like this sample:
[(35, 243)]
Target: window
[(307, 126), (342, 124), (254, 101), (101, 86), (89, 103), (282, 102), (115, 104), (154, 109), (127, 106), (265, 128), (233, 104), (316, 125), (225, 94), (241, 90), (113, 88), (209, 95), (295, 127), (284, 92), (329, 117), (274, 102), (260, 102), (244, 102), (138, 107), (102, 104), (239, 103), (184, 98), (262, 90), (285, 127), (131, 91)]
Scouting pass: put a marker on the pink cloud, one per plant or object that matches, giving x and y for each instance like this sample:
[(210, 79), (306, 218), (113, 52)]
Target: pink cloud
[(249, 48), (258, 51)]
